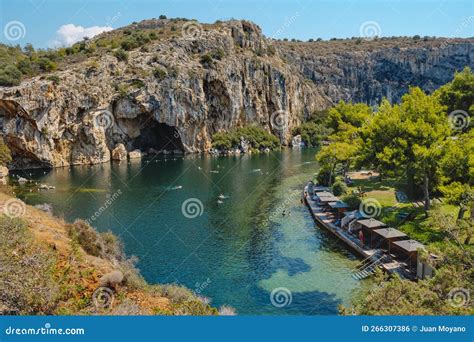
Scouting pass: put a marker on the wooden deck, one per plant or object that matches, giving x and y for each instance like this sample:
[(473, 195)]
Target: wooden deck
[(327, 219)]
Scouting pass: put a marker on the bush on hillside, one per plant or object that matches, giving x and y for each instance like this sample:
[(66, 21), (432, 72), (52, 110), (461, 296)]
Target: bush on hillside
[(257, 138), (121, 55), (105, 245)]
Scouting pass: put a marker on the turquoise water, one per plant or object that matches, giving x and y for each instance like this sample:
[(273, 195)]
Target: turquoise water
[(235, 252)]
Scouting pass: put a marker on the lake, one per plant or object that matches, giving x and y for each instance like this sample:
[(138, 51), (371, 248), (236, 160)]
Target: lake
[(236, 248)]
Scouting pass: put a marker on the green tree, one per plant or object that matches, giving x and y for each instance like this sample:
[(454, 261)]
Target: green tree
[(459, 93), (458, 194), (337, 152), (347, 113), (408, 139)]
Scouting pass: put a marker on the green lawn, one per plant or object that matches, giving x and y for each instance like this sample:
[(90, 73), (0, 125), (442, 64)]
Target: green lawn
[(384, 192)]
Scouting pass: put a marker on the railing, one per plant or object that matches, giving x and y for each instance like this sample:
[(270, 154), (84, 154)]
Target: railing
[(367, 266)]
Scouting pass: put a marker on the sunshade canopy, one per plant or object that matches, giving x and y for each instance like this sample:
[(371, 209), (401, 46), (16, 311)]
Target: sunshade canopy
[(371, 223), (390, 233), (409, 245)]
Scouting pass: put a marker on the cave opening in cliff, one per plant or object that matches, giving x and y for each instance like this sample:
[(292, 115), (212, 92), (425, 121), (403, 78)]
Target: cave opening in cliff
[(159, 137)]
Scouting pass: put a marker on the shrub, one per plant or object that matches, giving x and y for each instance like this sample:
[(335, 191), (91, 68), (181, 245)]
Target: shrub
[(5, 153), (225, 310), (312, 133), (339, 188), (352, 200), (162, 16), (121, 55), (45, 64), (10, 76), (271, 51), (86, 236), (54, 78), (175, 293), (257, 138), (206, 60), (104, 245), (159, 74), (218, 54)]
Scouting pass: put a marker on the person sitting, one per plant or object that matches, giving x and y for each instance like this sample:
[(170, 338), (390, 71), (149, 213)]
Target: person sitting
[(361, 237)]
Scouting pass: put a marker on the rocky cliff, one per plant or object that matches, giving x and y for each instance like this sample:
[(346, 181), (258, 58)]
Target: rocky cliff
[(173, 93)]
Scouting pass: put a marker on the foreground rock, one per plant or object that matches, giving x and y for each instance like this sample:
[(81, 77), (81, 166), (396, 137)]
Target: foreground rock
[(119, 152), (136, 154)]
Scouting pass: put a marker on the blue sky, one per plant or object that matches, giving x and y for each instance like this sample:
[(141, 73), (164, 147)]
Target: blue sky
[(39, 20)]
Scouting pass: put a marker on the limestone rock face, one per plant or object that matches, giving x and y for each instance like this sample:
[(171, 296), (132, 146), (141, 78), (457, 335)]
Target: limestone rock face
[(119, 152), (93, 109), (3, 175)]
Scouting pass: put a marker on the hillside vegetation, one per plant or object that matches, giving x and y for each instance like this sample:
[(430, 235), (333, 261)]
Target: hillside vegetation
[(48, 267)]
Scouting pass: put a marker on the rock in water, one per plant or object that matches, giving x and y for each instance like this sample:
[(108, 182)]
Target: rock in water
[(135, 154), (119, 152), (46, 207), (244, 145), (296, 142)]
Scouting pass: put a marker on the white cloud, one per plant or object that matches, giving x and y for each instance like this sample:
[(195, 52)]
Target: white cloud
[(69, 34)]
